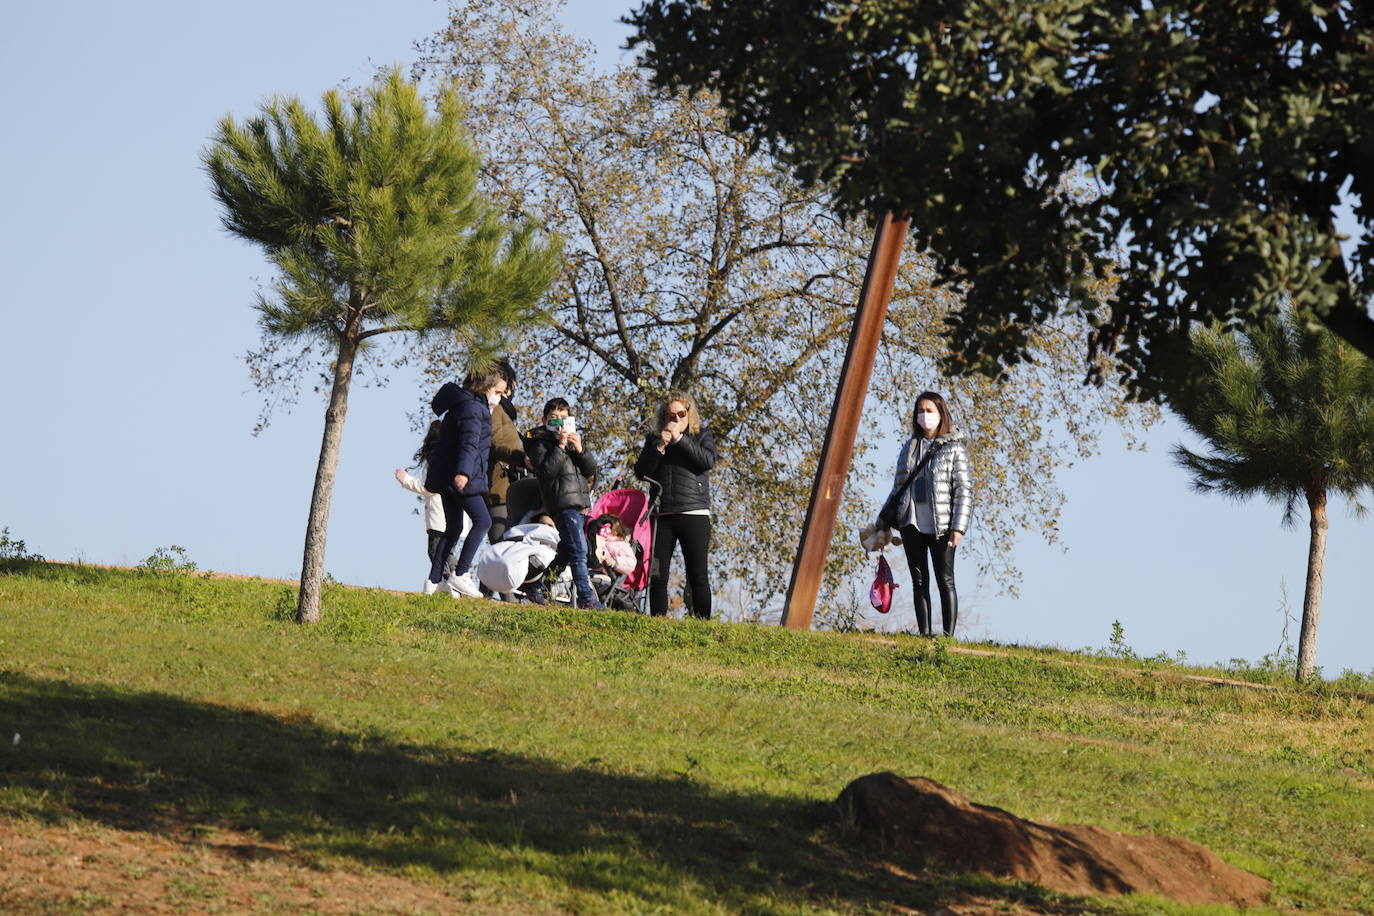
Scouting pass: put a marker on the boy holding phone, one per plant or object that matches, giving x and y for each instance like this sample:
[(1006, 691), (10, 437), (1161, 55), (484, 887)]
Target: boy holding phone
[(563, 466)]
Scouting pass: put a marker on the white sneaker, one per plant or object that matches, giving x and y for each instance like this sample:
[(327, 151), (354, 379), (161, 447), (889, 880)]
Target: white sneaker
[(464, 585), (431, 587)]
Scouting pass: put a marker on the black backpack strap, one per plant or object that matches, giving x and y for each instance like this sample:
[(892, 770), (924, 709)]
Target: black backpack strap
[(889, 508)]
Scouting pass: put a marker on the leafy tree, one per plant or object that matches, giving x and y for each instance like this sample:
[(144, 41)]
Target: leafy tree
[(1288, 410), (693, 261), (1219, 137), (375, 224)]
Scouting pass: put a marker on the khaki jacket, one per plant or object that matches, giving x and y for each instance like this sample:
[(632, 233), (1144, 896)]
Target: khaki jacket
[(507, 451)]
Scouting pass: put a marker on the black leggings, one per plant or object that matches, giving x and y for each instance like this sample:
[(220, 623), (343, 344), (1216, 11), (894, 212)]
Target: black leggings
[(941, 551), (694, 532)]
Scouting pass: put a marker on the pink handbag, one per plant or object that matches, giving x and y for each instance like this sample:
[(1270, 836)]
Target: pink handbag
[(880, 594)]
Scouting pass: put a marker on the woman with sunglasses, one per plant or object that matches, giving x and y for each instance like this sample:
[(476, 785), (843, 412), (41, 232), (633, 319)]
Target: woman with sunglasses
[(678, 455)]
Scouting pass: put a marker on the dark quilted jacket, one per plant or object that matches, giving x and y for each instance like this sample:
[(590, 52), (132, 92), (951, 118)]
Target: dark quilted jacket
[(464, 441), (562, 472), (683, 470)]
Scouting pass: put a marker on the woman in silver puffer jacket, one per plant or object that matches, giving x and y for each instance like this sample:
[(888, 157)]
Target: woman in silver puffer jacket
[(934, 512)]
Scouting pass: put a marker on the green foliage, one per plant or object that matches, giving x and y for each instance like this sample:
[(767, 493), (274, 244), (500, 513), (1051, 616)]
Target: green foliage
[(15, 549), (1117, 647), (1355, 681), (1215, 138), (163, 560), (373, 218), (694, 261), (1287, 409), (598, 762)]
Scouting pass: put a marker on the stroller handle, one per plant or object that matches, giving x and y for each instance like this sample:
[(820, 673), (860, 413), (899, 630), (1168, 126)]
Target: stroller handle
[(653, 484)]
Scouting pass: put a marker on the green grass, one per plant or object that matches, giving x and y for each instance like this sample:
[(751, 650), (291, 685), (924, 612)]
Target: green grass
[(584, 762)]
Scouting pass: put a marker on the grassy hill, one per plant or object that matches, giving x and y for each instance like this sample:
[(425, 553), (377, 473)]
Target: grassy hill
[(183, 747)]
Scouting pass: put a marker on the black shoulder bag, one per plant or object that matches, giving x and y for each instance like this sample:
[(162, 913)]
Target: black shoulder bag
[(887, 515)]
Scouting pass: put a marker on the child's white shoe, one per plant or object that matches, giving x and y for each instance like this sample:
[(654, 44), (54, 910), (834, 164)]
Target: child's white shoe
[(464, 585)]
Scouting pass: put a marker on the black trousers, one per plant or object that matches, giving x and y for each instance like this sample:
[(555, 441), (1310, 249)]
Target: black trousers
[(694, 533), (498, 522), (436, 543), (941, 552)]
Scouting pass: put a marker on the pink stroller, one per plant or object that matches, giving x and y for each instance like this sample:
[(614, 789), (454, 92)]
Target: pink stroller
[(635, 508)]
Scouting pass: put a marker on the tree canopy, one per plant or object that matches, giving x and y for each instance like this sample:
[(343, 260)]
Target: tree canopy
[(375, 224), (692, 260), (1198, 151)]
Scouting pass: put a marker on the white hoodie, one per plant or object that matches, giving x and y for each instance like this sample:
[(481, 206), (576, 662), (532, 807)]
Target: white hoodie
[(434, 506)]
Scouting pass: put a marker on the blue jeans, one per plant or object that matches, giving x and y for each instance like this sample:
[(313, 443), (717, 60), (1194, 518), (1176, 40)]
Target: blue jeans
[(455, 505), (572, 551)]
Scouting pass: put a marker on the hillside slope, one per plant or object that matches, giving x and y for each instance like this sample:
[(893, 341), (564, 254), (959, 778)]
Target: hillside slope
[(184, 747)]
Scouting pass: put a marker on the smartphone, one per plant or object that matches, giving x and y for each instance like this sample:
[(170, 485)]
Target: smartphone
[(570, 425)]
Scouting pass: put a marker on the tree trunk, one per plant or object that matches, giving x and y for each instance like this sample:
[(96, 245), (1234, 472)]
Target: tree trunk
[(317, 526), (1312, 596)]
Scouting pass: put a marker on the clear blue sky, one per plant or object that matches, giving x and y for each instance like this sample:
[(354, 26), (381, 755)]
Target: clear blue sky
[(127, 410)]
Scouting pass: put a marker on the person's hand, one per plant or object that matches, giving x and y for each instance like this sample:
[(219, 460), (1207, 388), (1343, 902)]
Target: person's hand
[(573, 439), (460, 482), (666, 436), (955, 537), (400, 475)]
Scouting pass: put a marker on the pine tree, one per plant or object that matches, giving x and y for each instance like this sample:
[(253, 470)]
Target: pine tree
[(1288, 410), (374, 223)]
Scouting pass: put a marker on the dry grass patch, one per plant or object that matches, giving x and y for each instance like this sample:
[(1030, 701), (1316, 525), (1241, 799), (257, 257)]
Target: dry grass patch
[(83, 868)]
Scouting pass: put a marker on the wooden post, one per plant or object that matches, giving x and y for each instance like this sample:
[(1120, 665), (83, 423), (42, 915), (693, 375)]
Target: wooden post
[(838, 449)]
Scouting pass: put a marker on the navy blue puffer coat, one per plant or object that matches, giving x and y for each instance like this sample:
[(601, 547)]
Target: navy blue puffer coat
[(464, 443)]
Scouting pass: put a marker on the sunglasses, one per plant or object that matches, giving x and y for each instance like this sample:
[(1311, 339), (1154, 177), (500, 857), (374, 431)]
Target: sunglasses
[(677, 414)]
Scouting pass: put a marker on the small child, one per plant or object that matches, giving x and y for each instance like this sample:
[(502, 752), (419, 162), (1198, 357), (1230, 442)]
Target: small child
[(457, 470), (554, 452), (614, 551), (435, 522)]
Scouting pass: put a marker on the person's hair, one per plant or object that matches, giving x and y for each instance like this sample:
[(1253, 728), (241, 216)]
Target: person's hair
[(482, 381), (946, 421), (682, 397), (427, 446), (555, 404), (618, 526), (507, 371)]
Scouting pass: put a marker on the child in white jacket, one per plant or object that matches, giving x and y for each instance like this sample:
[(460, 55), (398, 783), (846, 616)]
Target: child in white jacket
[(435, 523)]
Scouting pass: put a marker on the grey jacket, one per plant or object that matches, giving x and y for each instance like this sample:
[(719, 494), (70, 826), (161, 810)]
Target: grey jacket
[(949, 472)]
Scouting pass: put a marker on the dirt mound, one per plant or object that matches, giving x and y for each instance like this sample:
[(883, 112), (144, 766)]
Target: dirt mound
[(922, 819)]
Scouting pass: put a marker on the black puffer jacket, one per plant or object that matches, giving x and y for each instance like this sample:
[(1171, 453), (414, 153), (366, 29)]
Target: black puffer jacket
[(683, 470), (464, 441), (562, 472)]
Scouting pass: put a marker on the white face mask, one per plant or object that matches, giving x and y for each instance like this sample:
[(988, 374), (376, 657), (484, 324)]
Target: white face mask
[(493, 398), (928, 421)]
